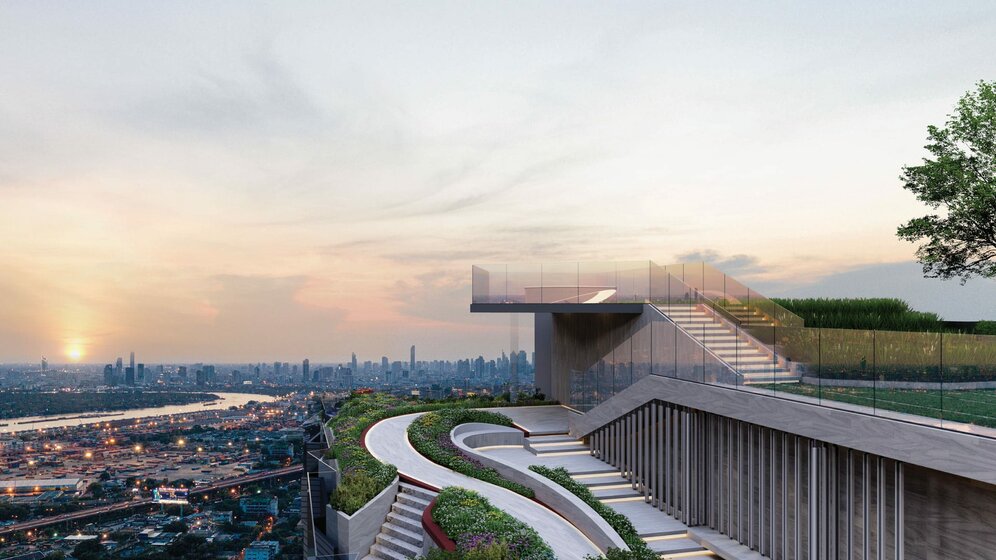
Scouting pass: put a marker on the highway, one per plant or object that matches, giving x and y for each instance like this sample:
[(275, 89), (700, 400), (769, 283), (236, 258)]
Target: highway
[(83, 514)]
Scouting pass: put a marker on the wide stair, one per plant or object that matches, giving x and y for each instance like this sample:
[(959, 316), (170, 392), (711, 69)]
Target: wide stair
[(664, 535), (401, 536), (753, 361)]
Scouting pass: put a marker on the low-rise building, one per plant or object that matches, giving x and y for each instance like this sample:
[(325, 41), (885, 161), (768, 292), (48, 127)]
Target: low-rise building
[(262, 550), (28, 486), (259, 505)]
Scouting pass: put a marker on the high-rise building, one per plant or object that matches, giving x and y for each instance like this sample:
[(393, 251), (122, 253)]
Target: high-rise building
[(132, 361), (118, 369), (44, 364), (182, 372), (306, 370), (109, 379), (276, 369), (411, 367), (129, 376), (353, 362), (140, 373)]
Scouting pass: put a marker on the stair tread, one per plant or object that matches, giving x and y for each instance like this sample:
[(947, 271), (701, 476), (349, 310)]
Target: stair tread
[(394, 541), (384, 553), (674, 546)]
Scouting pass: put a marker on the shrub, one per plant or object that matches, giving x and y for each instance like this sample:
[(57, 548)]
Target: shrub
[(985, 327), (430, 436), (619, 522), (485, 532), (881, 314), (355, 490)]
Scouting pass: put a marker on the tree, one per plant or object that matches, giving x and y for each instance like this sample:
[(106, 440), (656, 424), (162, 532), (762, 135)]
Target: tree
[(88, 550), (959, 184), (176, 527), (96, 490)]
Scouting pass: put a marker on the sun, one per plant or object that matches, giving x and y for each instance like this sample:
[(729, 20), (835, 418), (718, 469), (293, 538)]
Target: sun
[(74, 352)]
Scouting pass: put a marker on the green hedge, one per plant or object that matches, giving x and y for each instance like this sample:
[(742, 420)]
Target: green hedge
[(430, 436), (876, 314), (619, 522), (363, 476), (477, 526), (985, 327)]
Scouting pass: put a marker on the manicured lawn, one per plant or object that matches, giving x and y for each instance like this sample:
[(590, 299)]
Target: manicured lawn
[(975, 407)]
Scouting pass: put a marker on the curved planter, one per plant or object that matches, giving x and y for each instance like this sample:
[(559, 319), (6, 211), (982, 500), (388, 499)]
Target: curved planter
[(355, 534), (434, 531), (469, 436)]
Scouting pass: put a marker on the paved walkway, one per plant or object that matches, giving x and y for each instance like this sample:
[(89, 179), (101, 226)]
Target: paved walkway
[(388, 442)]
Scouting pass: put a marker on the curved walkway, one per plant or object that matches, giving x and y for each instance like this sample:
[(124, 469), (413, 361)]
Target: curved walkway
[(388, 442)]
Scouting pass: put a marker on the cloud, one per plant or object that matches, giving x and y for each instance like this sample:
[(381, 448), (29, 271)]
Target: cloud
[(732, 264)]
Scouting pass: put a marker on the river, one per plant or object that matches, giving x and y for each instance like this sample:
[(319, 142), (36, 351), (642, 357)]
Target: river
[(27, 423)]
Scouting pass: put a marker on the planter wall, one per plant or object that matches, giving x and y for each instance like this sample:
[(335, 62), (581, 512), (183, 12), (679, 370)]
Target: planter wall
[(355, 534)]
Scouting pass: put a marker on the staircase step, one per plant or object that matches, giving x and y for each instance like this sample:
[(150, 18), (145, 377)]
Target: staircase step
[(383, 553), (402, 533), (417, 491), (407, 511), (414, 525), (407, 549), (573, 449), (613, 493), (554, 438), (674, 546), (413, 500)]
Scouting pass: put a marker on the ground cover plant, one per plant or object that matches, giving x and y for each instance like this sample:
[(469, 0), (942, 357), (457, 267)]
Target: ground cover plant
[(430, 436), (975, 407), (476, 526), (363, 476), (619, 522)]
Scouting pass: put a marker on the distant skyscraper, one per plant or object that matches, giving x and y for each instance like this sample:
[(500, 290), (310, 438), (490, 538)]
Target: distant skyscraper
[(411, 368), (44, 364), (306, 370), (109, 375), (129, 376), (276, 369), (384, 367), (182, 372), (140, 374), (132, 362), (118, 369)]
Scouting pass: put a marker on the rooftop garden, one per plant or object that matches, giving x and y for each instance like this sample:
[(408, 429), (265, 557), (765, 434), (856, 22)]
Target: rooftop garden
[(482, 531), (363, 476), (430, 436)]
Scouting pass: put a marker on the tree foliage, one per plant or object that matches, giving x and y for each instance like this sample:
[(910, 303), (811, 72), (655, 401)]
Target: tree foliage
[(958, 183)]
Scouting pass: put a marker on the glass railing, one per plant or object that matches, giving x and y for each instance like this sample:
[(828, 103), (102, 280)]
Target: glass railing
[(591, 283), (939, 379)]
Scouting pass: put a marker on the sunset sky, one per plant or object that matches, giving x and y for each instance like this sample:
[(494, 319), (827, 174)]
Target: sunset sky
[(206, 181)]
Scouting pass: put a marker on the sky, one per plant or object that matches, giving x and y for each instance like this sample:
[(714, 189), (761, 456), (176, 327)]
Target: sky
[(279, 180)]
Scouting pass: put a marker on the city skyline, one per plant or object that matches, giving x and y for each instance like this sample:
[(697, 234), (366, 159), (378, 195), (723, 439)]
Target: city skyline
[(284, 180)]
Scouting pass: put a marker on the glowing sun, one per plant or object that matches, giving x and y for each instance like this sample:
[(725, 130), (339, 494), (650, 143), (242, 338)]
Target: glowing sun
[(75, 352)]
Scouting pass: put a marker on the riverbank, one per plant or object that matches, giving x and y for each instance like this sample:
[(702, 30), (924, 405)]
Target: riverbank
[(16, 404)]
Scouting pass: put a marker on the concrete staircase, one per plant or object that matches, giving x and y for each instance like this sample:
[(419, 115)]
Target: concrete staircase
[(753, 361), (664, 535), (401, 536), (555, 445)]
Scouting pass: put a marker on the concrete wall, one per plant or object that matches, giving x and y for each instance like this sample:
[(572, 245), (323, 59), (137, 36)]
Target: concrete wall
[(355, 534), (472, 435), (543, 336), (948, 516)]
